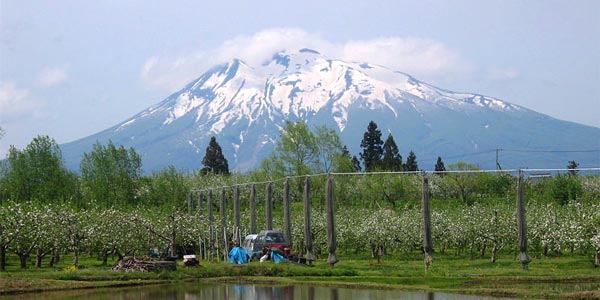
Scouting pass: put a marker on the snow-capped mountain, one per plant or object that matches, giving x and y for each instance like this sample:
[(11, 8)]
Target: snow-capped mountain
[(245, 107)]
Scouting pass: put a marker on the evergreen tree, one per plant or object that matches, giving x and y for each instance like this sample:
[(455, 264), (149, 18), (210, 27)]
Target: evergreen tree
[(392, 160), (439, 166), (411, 162), (372, 147), (356, 163), (213, 160)]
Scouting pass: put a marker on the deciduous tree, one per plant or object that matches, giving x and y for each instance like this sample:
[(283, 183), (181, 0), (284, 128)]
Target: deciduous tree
[(38, 173), (111, 175)]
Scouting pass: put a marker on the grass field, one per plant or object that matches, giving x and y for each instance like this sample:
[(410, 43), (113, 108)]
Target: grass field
[(566, 277)]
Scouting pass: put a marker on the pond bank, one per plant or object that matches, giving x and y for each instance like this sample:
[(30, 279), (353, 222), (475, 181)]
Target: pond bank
[(556, 278)]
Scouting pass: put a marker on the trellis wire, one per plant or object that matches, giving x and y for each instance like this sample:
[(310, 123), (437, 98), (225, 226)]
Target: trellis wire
[(426, 217)]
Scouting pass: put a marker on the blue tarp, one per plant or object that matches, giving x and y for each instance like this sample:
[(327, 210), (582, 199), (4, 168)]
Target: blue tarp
[(238, 255), (277, 257)]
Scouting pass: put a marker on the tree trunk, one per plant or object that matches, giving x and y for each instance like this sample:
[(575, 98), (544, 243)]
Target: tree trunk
[(597, 263), (483, 248), (23, 259), (2, 258), (38, 258), (119, 255), (494, 252), (55, 258), (105, 258), (76, 255), (173, 235)]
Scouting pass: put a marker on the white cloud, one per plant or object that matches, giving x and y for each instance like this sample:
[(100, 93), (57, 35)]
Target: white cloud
[(498, 74), (15, 102), (425, 59), (49, 77)]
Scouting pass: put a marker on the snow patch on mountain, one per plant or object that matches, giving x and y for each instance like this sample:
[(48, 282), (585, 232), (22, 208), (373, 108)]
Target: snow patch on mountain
[(246, 106)]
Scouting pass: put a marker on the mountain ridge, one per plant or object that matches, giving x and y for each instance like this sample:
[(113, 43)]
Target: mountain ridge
[(245, 107)]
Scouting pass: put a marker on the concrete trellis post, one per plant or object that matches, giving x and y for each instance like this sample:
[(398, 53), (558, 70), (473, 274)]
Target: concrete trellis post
[(287, 218), (253, 209), (269, 206), (522, 225), (201, 242), (200, 195), (308, 242), (209, 207), (223, 215), (190, 202), (427, 243), (331, 238), (236, 212)]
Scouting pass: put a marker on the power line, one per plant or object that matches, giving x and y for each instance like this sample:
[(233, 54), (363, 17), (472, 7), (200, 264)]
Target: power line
[(549, 151), (511, 150)]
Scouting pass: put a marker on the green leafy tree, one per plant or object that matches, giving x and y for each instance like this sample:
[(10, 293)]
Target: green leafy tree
[(11, 226), (38, 173), (111, 175), (411, 162), (564, 188), (329, 146), (392, 160), (167, 187), (464, 183), (296, 152), (343, 162), (77, 227), (372, 150), (214, 160)]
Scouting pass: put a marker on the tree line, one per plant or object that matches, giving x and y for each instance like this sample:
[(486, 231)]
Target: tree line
[(116, 206), (112, 175)]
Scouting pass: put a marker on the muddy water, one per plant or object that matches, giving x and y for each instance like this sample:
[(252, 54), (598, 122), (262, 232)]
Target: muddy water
[(199, 291)]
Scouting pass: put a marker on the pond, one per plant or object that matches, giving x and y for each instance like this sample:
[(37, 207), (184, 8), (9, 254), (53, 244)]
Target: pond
[(198, 291)]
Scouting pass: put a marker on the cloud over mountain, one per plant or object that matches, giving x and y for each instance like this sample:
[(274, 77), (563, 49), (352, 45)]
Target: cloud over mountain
[(244, 103), (424, 58)]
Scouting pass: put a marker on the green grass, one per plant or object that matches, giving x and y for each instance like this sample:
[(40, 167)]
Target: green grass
[(448, 273)]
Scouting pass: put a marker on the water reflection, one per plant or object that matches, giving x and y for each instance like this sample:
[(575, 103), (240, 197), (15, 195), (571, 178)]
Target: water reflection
[(200, 291)]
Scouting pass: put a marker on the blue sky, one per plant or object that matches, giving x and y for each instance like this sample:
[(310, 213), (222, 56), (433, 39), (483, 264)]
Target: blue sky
[(69, 69)]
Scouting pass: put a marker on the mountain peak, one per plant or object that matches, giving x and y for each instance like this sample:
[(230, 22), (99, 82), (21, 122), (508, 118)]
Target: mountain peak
[(245, 106)]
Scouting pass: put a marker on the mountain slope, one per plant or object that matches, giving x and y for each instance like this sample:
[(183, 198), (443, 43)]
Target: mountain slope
[(246, 106)]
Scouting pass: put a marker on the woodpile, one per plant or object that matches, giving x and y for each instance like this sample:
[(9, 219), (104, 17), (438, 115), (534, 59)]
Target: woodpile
[(132, 264)]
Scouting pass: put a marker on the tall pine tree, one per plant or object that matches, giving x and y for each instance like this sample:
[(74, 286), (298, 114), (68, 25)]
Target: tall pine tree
[(356, 163), (392, 160), (439, 166), (213, 160), (411, 162), (371, 145)]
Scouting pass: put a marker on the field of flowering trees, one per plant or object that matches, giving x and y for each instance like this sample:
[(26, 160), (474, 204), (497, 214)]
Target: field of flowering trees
[(379, 215)]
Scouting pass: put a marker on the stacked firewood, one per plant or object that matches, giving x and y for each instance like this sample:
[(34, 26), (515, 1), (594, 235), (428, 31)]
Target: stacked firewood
[(132, 264)]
